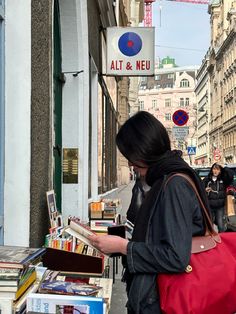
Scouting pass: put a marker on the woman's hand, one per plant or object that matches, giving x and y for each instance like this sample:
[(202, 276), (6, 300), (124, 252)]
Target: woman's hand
[(109, 244)]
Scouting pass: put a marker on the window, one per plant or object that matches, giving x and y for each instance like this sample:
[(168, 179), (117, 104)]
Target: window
[(143, 79), (157, 77), (186, 102), (170, 76), (167, 102), (141, 104), (167, 116), (154, 104), (184, 83), (181, 102), (107, 126)]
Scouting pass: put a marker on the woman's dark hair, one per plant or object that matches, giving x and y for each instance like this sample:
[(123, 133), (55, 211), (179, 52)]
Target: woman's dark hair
[(143, 138), (217, 166)]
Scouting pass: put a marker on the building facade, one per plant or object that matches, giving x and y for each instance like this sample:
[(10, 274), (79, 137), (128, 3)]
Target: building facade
[(202, 91), (222, 73), (59, 111), (170, 90)]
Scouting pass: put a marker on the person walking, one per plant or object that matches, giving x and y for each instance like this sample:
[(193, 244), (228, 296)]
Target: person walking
[(168, 218), (215, 184)]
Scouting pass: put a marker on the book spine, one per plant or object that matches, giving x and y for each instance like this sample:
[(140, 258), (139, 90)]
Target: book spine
[(26, 285)]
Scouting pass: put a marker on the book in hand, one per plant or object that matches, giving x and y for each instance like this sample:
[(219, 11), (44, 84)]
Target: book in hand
[(18, 257), (81, 232), (53, 303)]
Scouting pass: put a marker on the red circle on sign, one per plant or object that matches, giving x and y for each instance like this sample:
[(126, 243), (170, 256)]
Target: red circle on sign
[(180, 117), (217, 157)]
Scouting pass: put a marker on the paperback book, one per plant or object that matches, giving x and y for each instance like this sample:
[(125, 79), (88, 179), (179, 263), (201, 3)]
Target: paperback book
[(18, 257), (52, 303), (82, 233), (70, 288)]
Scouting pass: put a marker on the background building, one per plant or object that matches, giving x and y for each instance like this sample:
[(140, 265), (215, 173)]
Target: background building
[(202, 91), (223, 81), (171, 89)]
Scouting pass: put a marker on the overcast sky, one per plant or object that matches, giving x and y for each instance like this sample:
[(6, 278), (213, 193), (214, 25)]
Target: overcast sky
[(183, 26)]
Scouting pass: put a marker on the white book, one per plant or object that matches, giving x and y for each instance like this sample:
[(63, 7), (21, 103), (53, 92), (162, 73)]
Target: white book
[(80, 232), (52, 303)]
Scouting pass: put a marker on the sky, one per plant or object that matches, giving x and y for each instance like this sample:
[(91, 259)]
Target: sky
[(183, 26)]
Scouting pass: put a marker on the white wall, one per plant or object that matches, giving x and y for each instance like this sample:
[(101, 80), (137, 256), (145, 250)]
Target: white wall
[(75, 111), (17, 117)]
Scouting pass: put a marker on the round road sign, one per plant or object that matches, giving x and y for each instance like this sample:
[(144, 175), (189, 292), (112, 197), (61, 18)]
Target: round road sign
[(180, 117), (217, 157)]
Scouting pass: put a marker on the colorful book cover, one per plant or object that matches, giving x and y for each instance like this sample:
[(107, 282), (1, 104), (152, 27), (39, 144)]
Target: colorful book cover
[(18, 257), (50, 303), (66, 287)]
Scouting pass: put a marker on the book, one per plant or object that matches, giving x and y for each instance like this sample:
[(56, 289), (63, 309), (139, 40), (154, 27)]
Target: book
[(54, 282), (67, 287), (9, 273), (82, 233), (52, 303), (20, 304), (106, 289), (18, 257), (16, 292), (101, 224)]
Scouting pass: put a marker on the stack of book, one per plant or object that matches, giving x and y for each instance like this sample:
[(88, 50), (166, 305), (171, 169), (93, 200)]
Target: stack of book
[(18, 274), (83, 257), (76, 293)]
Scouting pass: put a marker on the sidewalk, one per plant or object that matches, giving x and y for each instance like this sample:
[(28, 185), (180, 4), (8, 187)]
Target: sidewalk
[(119, 297)]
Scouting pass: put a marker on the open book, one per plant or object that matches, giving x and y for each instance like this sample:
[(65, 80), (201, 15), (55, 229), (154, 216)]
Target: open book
[(81, 232)]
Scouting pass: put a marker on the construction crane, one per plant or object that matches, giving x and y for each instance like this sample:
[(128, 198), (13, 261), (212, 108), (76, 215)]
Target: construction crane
[(148, 8)]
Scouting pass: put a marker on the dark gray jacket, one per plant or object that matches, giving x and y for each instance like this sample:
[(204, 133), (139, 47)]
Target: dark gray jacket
[(175, 217)]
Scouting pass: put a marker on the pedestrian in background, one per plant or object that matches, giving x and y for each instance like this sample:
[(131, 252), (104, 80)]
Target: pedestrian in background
[(167, 219), (215, 183)]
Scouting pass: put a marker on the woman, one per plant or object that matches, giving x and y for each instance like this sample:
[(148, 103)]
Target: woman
[(168, 218), (215, 185), (139, 191)]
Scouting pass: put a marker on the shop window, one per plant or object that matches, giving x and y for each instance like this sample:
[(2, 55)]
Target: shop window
[(107, 129)]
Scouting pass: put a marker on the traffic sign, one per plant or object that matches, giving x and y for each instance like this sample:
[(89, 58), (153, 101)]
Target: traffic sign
[(180, 117), (191, 150), (180, 132), (217, 157)]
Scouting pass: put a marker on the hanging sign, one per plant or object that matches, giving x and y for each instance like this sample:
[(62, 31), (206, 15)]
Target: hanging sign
[(130, 51)]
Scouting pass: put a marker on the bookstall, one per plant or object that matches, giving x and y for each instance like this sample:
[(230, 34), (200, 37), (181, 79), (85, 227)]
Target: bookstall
[(68, 274), (69, 251)]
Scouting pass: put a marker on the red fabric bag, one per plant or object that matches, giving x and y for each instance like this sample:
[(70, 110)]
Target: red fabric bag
[(209, 284)]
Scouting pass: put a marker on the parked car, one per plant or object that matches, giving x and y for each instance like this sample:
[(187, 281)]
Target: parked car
[(233, 168), (202, 171)]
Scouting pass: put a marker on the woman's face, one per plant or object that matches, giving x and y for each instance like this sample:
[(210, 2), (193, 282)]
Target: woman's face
[(215, 171), (139, 167)]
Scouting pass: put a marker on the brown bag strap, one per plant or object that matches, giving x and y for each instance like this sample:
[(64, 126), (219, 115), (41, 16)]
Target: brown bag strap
[(208, 223)]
